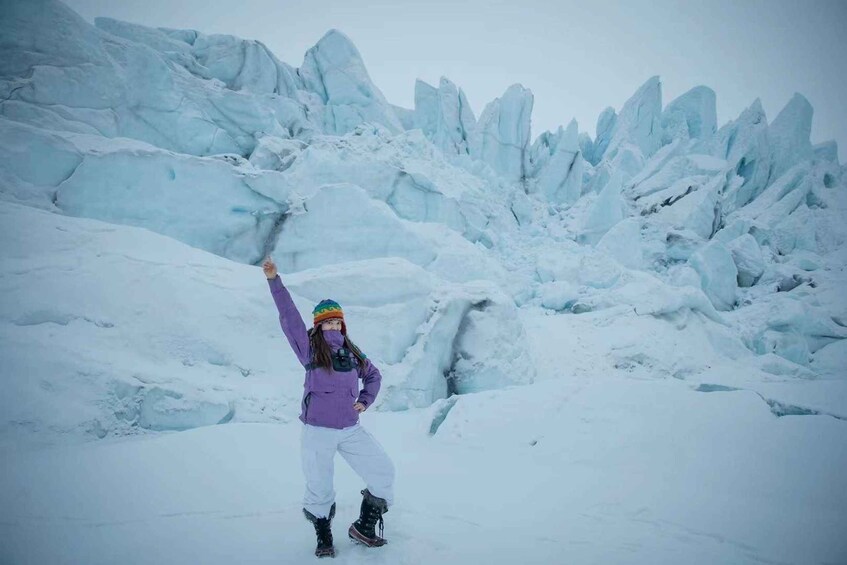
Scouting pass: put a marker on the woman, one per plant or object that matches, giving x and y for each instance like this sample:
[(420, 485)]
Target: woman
[(330, 412)]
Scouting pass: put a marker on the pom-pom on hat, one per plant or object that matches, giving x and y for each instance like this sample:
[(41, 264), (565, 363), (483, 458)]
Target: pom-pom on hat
[(328, 310)]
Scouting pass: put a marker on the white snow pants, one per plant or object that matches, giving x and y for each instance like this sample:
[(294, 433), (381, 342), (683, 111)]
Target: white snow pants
[(361, 451)]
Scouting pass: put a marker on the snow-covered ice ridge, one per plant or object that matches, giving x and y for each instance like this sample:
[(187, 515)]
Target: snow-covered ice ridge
[(439, 232)]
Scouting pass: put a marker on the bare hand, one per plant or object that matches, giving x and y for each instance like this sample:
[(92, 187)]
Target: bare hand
[(269, 268), (359, 407)]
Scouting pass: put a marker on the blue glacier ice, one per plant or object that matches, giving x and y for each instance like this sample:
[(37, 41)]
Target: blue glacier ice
[(501, 137), (455, 229)]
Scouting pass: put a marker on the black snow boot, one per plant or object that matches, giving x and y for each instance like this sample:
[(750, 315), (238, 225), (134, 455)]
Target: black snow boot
[(362, 530), (323, 531)]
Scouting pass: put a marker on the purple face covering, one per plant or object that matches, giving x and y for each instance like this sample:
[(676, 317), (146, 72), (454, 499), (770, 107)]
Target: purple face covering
[(334, 338)]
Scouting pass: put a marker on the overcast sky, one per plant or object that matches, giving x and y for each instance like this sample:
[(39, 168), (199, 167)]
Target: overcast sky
[(576, 57)]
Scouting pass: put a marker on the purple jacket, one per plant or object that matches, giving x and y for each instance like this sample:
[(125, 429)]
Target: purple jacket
[(328, 395)]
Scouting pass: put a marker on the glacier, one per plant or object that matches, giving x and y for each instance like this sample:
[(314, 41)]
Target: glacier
[(93, 125), (667, 280)]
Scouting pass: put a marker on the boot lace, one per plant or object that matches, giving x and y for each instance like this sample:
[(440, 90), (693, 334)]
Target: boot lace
[(324, 532)]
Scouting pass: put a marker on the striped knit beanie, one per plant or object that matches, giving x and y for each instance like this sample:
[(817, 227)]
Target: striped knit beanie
[(327, 310)]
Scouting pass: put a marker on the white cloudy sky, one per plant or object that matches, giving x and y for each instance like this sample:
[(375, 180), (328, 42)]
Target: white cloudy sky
[(576, 56)]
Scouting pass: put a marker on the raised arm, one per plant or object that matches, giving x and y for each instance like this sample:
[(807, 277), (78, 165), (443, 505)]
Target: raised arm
[(371, 381), (289, 318)]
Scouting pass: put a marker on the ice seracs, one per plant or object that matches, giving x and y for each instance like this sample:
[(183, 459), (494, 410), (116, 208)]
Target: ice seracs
[(745, 146), (638, 123), (444, 115), (501, 136), (692, 115), (607, 210), (603, 133), (334, 69), (209, 139), (557, 164), (788, 136)]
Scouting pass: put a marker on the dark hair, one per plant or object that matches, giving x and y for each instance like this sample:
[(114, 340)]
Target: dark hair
[(321, 352)]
